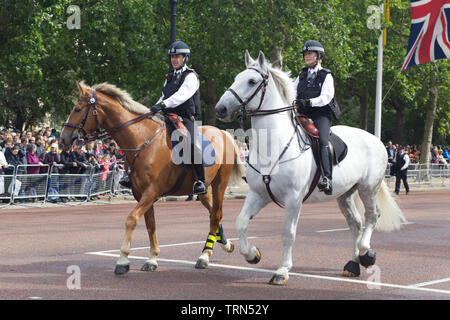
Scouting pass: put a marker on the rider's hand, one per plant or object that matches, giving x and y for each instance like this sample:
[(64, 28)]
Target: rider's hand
[(158, 107), (303, 103)]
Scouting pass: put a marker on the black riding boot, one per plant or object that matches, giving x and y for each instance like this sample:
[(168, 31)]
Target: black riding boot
[(326, 162), (125, 182), (199, 185)]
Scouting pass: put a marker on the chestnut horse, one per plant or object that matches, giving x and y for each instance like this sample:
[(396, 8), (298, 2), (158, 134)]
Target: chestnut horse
[(146, 141)]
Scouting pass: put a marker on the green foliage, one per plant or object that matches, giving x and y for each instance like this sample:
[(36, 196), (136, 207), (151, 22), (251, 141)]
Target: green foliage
[(125, 43)]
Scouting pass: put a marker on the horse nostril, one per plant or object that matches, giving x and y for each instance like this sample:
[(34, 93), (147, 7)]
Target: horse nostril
[(221, 111)]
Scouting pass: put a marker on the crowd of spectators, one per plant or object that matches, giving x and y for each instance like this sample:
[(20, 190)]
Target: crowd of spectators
[(439, 154), (40, 148)]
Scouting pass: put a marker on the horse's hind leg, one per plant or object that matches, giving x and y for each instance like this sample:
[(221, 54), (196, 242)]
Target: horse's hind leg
[(213, 201), (151, 264), (347, 205), (366, 255)]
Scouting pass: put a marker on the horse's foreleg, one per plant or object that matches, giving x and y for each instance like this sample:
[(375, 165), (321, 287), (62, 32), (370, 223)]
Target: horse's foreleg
[(252, 205), (123, 264), (292, 213), (151, 264)]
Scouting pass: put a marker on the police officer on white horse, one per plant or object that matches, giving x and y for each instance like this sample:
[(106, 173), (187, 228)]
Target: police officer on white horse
[(181, 96), (315, 99)]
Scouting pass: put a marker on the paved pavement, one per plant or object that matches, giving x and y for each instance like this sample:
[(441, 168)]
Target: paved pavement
[(43, 250)]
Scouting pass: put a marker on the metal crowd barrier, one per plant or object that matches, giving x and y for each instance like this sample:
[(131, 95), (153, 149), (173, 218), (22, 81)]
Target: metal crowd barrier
[(19, 187), (23, 188), (424, 174)]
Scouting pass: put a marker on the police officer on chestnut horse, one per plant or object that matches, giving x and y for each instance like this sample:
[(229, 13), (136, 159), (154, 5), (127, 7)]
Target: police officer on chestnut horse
[(181, 96), (315, 99)]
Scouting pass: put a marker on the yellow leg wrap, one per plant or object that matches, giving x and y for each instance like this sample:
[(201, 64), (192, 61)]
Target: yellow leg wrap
[(210, 242)]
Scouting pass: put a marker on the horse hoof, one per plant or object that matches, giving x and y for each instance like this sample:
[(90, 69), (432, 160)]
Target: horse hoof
[(149, 267), (257, 257), (351, 269), (122, 269), (201, 264), (279, 280), (368, 259), (228, 249)]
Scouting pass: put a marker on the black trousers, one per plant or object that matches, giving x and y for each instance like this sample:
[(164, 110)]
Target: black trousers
[(196, 152), (323, 124), (401, 175)]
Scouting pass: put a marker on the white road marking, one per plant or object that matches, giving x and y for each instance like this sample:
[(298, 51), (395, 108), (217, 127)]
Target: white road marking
[(166, 245), (332, 230), (344, 229), (429, 283), (416, 287)]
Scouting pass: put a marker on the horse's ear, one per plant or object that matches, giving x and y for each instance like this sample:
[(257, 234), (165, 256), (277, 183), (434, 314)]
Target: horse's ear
[(80, 88), (248, 59), (262, 61)]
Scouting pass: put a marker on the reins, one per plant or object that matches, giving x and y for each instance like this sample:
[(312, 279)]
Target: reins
[(107, 133), (262, 86), (246, 113)]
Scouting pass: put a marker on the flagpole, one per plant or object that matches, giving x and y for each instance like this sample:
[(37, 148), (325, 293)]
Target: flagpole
[(379, 87)]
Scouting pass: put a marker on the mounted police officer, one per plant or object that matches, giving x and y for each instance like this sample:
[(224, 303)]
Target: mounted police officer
[(181, 96), (315, 99)]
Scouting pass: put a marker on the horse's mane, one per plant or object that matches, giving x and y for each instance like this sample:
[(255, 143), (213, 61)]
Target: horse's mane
[(123, 97), (283, 82)]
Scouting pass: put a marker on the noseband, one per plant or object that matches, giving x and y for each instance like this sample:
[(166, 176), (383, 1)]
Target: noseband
[(262, 86)]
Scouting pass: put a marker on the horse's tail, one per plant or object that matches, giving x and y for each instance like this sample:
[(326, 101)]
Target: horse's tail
[(238, 166), (391, 216)]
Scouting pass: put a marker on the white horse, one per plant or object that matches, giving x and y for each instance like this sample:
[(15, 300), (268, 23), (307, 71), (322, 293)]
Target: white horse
[(265, 94)]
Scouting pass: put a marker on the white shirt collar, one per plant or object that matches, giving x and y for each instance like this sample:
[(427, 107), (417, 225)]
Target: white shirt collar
[(182, 69), (315, 69)]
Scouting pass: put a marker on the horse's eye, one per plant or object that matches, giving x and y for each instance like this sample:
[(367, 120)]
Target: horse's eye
[(77, 109), (252, 82)]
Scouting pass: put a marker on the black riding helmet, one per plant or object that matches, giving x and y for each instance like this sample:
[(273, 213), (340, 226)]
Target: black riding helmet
[(313, 45), (179, 47)]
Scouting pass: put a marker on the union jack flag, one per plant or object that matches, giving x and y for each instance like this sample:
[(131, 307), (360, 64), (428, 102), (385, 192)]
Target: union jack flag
[(429, 33)]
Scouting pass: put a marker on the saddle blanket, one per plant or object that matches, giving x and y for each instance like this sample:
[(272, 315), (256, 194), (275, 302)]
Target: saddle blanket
[(339, 148), (208, 152)]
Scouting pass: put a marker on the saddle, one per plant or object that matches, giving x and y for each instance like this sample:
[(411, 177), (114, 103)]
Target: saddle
[(337, 146), (175, 122), (208, 152)]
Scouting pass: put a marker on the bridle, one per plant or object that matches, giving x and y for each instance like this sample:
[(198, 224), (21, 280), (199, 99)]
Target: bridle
[(245, 113), (98, 134), (262, 86)]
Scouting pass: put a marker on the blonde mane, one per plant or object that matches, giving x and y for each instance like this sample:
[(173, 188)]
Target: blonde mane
[(123, 97), (284, 83)]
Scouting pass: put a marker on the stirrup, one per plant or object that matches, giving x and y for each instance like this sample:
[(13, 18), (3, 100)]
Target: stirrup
[(325, 186), (199, 187)]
